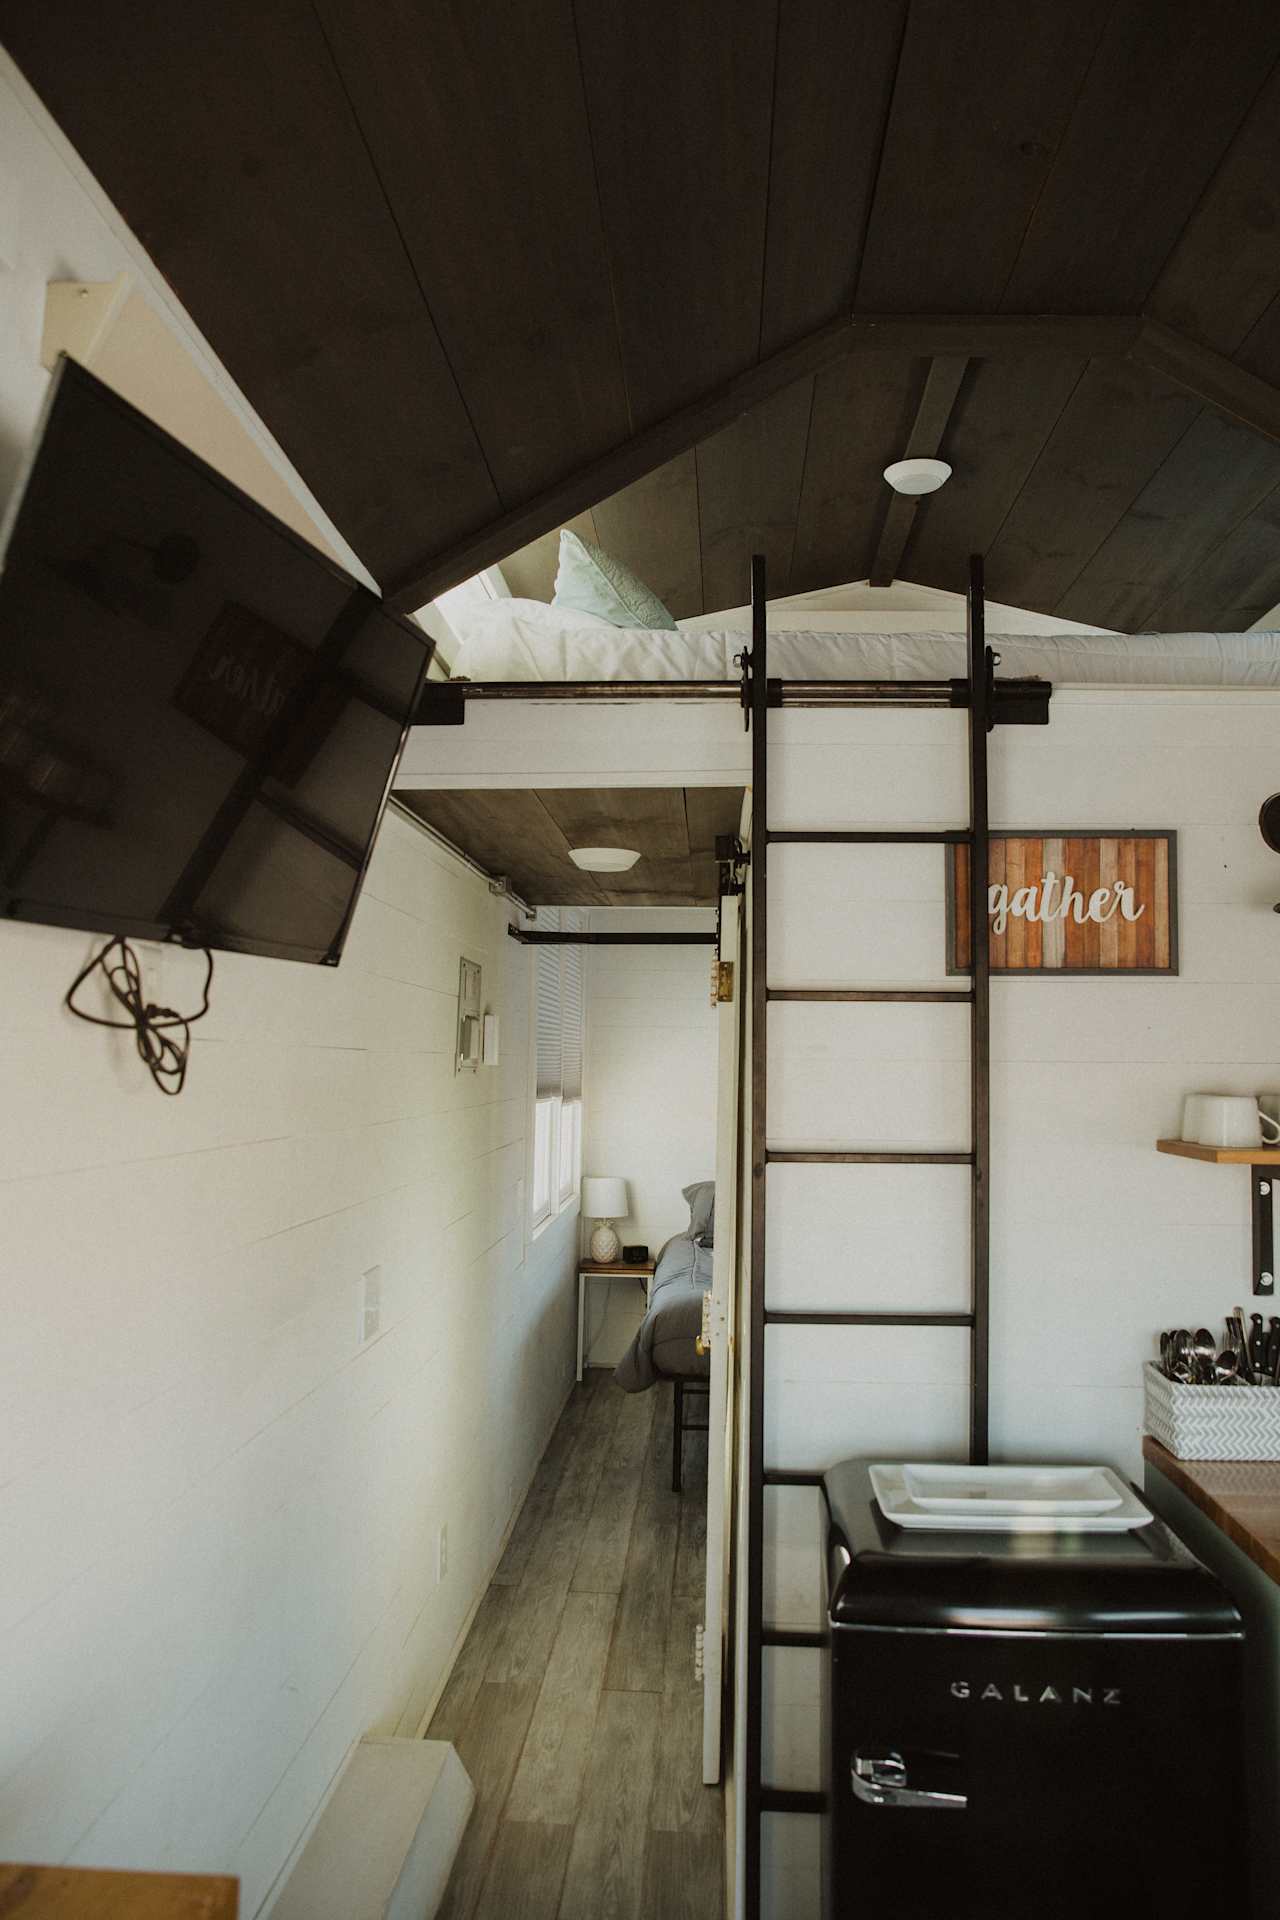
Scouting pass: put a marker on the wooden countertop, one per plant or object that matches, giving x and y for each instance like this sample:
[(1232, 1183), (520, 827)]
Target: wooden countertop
[(85, 1893), (1240, 1496)]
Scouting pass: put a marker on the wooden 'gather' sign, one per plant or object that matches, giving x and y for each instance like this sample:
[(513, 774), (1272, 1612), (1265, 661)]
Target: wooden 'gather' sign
[(1071, 903)]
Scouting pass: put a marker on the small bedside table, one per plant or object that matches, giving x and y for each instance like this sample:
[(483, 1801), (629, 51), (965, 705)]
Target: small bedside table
[(589, 1270)]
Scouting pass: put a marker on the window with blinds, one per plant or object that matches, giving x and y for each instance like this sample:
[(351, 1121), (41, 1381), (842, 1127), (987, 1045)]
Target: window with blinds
[(558, 1022), (571, 1020), (570, 1060), (547, 1016)]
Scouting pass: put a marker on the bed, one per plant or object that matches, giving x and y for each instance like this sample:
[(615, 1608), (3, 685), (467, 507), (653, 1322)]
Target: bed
[(533, 701), (520, 644), (668, 1343)]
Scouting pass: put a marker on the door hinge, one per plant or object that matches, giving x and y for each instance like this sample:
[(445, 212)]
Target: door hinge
[(699, 1671), (721, 981)]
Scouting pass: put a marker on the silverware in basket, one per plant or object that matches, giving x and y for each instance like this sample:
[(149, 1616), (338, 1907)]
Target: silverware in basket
[(1247, 1357)]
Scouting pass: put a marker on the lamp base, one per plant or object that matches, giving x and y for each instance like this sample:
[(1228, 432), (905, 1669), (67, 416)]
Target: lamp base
[(605, 1244)]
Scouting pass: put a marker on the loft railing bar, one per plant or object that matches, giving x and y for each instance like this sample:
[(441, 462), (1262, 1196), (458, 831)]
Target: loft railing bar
[(439, 696), (695, 689), (1016, 702)]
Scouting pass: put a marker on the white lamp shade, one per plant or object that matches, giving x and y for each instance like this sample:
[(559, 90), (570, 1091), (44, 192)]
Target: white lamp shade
[(604, 1197)]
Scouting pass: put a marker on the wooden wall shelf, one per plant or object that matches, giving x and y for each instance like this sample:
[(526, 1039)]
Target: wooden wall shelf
[(1222, 1156)]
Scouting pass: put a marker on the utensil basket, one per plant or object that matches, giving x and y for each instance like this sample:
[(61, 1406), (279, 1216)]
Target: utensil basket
[(1212, 1423)]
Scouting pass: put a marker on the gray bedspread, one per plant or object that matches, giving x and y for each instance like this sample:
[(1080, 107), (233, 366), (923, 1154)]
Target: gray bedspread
[(664, 1348)]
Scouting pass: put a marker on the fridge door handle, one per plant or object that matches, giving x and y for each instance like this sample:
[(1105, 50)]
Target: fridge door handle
[(880, 1780)]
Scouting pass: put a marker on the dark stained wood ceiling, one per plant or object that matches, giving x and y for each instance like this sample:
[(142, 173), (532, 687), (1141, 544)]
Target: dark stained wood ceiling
[(482, 265), (527, 836)]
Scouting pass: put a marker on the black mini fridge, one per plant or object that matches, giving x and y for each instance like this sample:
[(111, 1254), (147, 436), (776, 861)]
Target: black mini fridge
[(1038, 1725)]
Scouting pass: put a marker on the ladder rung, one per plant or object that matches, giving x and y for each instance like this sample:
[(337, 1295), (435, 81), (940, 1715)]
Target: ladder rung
[(962, 996), (819, 1317), (793, 1637), (837, 1157), (791, 1800), (865, 837)]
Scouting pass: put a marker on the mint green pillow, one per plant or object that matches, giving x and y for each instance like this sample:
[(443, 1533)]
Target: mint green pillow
[(591, 581)]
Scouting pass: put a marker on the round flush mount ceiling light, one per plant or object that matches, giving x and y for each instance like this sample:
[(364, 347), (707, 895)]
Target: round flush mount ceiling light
[(603, 859), (917, 476)]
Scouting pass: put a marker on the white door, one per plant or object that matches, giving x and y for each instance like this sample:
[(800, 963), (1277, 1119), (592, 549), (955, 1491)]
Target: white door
[(721, 1320)]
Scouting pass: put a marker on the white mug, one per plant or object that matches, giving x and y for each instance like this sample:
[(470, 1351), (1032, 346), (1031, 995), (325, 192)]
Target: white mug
[(1193, 1117), (1235, 1120), (1269, 1106)]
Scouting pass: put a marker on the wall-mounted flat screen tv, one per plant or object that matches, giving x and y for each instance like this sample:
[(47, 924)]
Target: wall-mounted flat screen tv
[(200, 714)]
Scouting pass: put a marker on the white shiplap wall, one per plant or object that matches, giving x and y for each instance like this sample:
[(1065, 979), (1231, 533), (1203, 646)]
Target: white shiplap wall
[(219, 1511), (218, 1516), (1097, 1240), (651, 1089)]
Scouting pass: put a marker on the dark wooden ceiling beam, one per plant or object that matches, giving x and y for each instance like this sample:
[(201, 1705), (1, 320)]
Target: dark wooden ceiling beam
[(1210, 376), (933, 416), (973, 336)]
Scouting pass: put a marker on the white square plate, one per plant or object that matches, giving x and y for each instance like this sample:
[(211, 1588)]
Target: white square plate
[(1032, 1499), (1011, 1489)]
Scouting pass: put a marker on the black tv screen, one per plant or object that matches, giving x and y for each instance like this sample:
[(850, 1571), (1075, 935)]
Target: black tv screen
[(200, 714)]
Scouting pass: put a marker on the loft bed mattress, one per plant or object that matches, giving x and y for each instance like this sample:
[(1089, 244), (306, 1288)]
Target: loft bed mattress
[(665, 1346), (530, 651)]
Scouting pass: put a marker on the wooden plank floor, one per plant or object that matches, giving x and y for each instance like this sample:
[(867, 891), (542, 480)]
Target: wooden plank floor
[(573, 1703)]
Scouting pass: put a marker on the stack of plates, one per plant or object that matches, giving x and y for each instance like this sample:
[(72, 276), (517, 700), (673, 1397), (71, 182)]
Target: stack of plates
[(1007, 1499)]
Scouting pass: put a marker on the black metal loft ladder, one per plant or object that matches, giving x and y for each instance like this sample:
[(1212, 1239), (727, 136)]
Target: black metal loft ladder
[(985, 705)]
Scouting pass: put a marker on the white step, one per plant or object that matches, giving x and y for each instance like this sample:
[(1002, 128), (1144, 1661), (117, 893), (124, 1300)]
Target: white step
[(385, 1843)]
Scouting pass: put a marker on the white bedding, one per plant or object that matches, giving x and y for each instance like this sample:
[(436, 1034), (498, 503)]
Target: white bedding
[(521, 648)]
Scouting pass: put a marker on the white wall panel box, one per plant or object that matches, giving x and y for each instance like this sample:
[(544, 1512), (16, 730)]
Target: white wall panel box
[(385, 1842)]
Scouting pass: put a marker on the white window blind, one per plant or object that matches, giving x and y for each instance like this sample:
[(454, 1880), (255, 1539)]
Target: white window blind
[(571, 1011), (558, 1045), (547, 1011)]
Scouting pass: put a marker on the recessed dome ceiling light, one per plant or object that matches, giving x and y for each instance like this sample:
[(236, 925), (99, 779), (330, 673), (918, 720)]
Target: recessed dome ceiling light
[(603, 859), (917, 476)]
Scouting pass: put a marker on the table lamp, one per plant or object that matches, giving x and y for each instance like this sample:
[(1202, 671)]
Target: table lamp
[(604, 1200)]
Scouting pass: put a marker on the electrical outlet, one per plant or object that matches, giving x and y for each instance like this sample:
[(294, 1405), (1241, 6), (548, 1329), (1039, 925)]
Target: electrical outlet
[(370, 1304), (442, 1553)]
